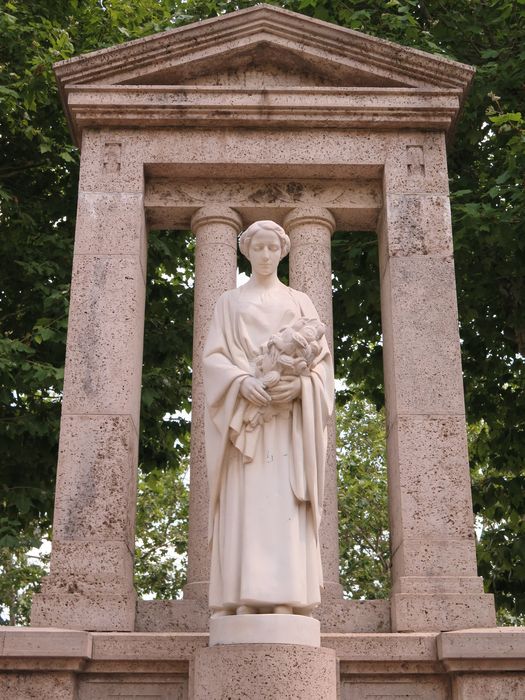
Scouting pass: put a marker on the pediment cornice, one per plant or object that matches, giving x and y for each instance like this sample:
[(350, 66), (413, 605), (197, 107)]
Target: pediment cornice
[(191, 58)]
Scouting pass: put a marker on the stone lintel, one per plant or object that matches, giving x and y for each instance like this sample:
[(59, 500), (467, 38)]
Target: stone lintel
[(170, 202)]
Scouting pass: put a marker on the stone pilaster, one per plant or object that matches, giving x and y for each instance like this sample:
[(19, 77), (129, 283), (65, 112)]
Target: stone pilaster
[(434, 578), (90, 586), (310, 230), (216, 229)]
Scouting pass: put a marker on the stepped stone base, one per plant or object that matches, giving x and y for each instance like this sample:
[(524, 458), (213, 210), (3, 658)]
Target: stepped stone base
[(55, 664)]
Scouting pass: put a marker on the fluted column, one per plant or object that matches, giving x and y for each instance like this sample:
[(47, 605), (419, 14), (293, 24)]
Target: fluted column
[(310, 230), (216, 229)]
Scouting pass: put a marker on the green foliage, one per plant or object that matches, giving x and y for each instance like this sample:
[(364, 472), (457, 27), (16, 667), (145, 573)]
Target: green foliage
[(162, 534), (364, 545), (38, 180), (22, 567)]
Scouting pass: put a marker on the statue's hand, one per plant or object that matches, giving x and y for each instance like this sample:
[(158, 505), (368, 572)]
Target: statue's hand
[(288, 389), (253, 390)]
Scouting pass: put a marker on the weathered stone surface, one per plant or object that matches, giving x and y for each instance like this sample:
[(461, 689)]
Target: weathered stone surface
[(416, 164), (90, 611), (496, 648), (265, 672), (96, 482), (188, 615), (137, 646), (434, 689), (133, 687), (441, 611), (27, 685), (105, 336), (421, 341), (417, 225), (498, 686), (391, 647), (31, 642), (429, 479), (111, 223), (109, 163)]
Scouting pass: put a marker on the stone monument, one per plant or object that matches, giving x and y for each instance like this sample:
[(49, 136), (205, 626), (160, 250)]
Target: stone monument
[(260, 115)]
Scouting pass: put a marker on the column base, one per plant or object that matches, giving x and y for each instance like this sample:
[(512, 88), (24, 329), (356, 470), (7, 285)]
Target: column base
[(96, 612), (265, 672), (265, 629), (441, 612)]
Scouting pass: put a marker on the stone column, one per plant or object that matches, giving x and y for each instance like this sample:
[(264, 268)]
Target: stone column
[(216, 229), (310, 230), (435, 583), (90, 586)]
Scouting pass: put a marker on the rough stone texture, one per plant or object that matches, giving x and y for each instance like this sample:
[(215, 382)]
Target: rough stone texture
[(265, 672), (150, 647), (26, 641), (426, 507), (412, 612), (86, 611), (416, 164), (38, 686), (133, 687), (488, 649), (355, 204), (107, 224), (380, 648), (372, 689), (109, 163), (498, 686), (96, 485), (417, 225), (174, 615), (216, 229), (435, 584), (105, 336), (478, 664), (422, 352), (338, 615)]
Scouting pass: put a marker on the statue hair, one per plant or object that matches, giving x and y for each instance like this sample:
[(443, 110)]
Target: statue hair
[(247, 235)]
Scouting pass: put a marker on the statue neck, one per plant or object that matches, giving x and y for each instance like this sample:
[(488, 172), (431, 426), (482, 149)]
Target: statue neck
[(265, 282)]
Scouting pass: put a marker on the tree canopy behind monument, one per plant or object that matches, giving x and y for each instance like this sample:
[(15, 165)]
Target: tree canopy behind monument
[(38, 183)]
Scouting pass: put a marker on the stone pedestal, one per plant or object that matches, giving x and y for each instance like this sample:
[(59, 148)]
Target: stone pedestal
[(264, 672), (265, 629)]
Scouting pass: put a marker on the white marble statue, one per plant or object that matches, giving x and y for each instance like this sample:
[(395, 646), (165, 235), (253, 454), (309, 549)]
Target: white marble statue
[(269, 393)]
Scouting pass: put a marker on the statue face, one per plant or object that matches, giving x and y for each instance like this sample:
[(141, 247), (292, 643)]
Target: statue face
[(264, 252)]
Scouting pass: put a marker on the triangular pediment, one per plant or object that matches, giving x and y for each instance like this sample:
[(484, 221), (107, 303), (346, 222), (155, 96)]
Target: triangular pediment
[(263, 46)]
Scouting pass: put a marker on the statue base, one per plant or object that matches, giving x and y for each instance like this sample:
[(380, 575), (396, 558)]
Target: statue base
[(265, 629)]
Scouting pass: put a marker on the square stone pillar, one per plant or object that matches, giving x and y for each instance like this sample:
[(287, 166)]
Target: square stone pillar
[(90, 586), (434, 577)]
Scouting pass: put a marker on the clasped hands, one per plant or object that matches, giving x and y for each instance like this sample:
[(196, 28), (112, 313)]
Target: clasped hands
[(287, 389)]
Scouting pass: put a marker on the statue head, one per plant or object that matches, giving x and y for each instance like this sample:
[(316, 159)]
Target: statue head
[(248, 234)]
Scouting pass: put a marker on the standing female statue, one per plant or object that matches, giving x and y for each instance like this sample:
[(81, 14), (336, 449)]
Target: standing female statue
[(269, 393)]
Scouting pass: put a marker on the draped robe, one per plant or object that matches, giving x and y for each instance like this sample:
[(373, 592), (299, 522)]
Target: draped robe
[(266, 485)]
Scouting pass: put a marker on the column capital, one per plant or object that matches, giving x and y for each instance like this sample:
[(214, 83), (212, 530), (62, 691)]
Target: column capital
[(309, 216), (216, 214)]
